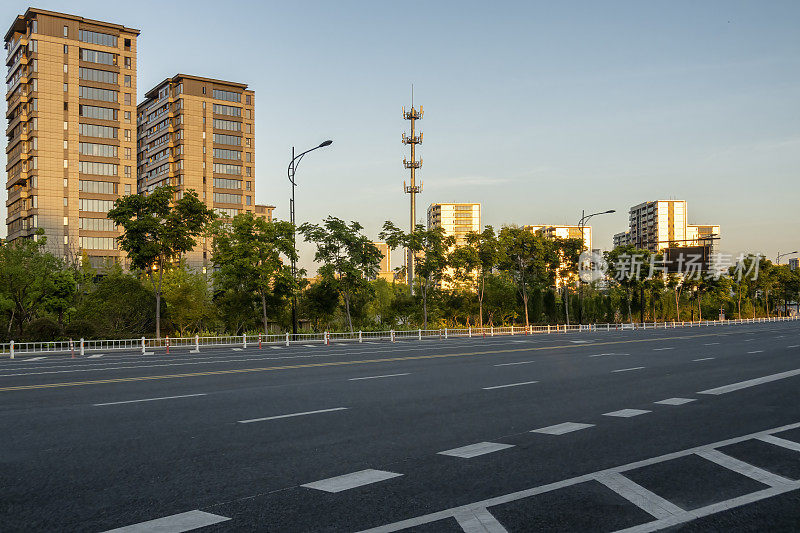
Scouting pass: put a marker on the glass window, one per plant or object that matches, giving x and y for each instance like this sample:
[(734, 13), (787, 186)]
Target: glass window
[(100, 169), (66, 31), (230, 125), (225, 183), (91, 74), (99, 150), (224, 168), (222, 153), (221, 138), (94, 56), (95, 37), (227, 198), (230, 96), (93, 130), (93, 93), (102, 113)]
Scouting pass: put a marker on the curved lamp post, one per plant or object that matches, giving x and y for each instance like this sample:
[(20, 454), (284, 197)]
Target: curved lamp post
[(582, 224), (291, 172)]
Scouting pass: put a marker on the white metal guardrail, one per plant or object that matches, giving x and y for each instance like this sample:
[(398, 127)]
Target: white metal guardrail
[(145, 346)]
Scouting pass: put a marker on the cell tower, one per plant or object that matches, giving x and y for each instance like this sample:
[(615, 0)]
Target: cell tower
[(413, 115)]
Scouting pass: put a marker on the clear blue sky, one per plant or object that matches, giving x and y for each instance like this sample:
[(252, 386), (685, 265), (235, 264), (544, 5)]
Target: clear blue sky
[(535, 109)]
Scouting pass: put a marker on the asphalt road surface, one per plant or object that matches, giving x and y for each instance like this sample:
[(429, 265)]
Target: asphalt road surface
[(693, 429)]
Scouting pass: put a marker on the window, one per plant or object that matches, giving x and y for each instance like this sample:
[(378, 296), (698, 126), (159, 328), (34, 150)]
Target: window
[(94, 37), (66, 163), (97, 243), (94, 56), (248, 171), (127, 62), (127, 171), (93, 93), (98, 150), (127, 153), (66, 125), (127, 98), (225, 183), (66, 87), (247, 142), (127, 80), (66, 201), (230, 125), (96, 224), (66, 146), (66, 182), (221, 109), (247, 114), (248, 128), (93, 130), (35, 26), (66, 106), (248, 200), (100, 169), (127, 135), (65, 68), (66, 221), (66, 31), (222, 153), (249, 183), (127, 188), (127, 44), (226, 212), (66, 49), (248, 100), (221, 138), (224, 168), (102, 113), (66, 239), (226, 198), (249, 157), (97, 187), (91, 74), (230, 96), (97, 206)]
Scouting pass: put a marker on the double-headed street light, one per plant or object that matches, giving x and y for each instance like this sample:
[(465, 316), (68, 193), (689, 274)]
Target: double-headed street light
[(582, 224), (291, 172)]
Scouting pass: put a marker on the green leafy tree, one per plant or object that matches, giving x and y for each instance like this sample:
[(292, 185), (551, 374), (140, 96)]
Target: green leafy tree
[(157, 230), (430, 248), (188, 299), (61, 294), (348, 257), (474, 260), (249, 255)]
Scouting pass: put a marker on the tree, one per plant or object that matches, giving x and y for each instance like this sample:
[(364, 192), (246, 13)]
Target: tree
[(248, 254), (157, 230), (349, 258), (188, 299), (625, 265), (474, 260), (27, 280), (569, 250), (430, 248)]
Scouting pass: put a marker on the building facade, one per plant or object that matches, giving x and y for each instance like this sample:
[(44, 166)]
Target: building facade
[(198, 134), (564, 232), (457, 219), (71, 91), (662, 224), (385, 269)]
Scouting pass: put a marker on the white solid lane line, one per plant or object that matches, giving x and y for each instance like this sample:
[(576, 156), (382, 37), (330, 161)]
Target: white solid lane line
[(746, 469), (34, 359), (628, 369), (151, 399), (756, 351), (639, 496), (518, 363), (378, 377), (604, 354), (351, 481), (560, 429), (794, 346), (510, 385), (173, 524), (751, 382), (626, 413), (662, 349), (293, 415), (710, 343), (478, 521), (96, 356), (783, 443), (703, 359), (474, 450), (675, 401)]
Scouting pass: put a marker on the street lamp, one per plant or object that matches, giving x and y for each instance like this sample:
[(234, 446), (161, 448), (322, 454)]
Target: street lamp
[(778, 259), (291, 172), (582, 224)]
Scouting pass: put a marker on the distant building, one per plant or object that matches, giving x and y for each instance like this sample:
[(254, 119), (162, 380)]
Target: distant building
[(662, 224), (564, 232), (264, 211), (457, 219), (385, 270), (794, 263)]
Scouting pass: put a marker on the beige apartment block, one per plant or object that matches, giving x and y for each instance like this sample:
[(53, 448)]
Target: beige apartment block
[(71, 91), (197, 133), (660, 224), (385, 269), (457, 219), (564, 232)]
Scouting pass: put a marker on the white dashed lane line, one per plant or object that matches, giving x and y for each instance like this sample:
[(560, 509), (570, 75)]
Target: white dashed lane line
[(474, 450), (628, 369), (710, 344), (675, 401), (560, 429), (517, 363), (627, 413), (510, 385), (291, 415), (379, 377), (174, 523), (351, 481), (703, 359), (662, 349), (756, 351), (751, 382), (150, 399)]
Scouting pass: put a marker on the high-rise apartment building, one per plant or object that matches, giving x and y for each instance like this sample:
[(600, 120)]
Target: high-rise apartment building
[(661, 224), (198, 134), (385, 269), (564, 232), (457, 219), (71, 91)]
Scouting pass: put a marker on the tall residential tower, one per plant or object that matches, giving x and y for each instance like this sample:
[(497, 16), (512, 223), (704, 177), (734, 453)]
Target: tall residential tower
[(198, 133), (71, 91)]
